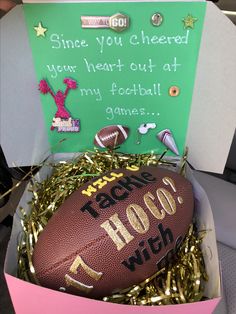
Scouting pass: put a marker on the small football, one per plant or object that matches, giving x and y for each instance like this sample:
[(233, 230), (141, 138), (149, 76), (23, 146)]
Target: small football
[(111, 136), (114, 231)]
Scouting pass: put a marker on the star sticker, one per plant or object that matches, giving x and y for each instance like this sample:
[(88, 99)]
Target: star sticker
[(40, 30), (189, 21)]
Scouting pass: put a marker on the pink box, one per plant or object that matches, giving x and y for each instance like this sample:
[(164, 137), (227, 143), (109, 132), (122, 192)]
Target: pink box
[(41, 300), (29, 298), (32, 299)]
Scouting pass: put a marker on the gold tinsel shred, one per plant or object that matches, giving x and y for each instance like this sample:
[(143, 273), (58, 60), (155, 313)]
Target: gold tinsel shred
[(178, 283)]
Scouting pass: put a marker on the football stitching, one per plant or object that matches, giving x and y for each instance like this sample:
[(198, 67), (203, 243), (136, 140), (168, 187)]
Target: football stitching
[(90, 244), (58, 264), (109, 136)]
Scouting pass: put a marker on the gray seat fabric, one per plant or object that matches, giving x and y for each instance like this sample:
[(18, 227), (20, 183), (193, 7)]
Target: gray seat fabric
[(227, 257), (231, 162), (222, 196)]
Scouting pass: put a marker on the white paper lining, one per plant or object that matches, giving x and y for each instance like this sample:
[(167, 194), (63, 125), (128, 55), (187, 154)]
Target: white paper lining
[(205, 222)]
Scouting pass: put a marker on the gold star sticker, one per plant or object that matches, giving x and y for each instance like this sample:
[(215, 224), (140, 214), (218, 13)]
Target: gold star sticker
[(40, 30), (189, 21)]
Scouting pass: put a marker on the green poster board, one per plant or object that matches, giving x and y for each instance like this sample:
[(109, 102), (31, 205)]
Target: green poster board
[(127, 78)]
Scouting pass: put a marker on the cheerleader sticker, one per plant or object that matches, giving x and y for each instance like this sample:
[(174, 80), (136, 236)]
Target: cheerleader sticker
[(62, 121)]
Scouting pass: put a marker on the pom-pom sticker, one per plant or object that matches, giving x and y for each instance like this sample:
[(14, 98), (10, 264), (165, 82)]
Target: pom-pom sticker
[(62, 121)]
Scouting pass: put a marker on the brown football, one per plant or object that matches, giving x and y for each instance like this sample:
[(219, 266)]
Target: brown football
[(111, 136), (115, 231)]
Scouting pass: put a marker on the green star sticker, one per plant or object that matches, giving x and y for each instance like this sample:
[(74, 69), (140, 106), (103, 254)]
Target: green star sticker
[(189, 21)]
